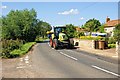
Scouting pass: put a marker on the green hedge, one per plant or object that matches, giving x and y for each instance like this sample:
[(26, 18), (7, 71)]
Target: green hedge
[(10, 45), (23, 50), (91, 38), (111, 45), (40, 39), (111, 40)]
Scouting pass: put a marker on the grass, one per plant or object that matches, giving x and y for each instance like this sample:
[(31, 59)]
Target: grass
[(23, 50)]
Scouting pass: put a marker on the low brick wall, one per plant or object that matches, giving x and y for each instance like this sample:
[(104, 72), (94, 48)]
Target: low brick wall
[(86, 43), (83, 43)]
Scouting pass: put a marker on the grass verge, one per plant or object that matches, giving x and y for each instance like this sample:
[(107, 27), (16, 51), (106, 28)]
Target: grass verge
[(23, 50)]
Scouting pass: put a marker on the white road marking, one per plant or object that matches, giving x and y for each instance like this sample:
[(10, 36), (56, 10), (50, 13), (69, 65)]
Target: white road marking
[(115, 74), (26, 57), (68, 56), (115, 56), (26, 62), (21, 59), (20, 67), (69, 50)]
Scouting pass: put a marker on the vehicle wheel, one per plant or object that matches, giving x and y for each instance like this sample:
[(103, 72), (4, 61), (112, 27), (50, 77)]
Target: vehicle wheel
[(51, 42), (70, 45), (55, 44)]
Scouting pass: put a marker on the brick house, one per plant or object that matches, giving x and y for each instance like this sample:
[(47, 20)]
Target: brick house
[(110, 26)]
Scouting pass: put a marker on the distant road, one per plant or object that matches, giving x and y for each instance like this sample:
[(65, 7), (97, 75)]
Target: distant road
[(45, 62)]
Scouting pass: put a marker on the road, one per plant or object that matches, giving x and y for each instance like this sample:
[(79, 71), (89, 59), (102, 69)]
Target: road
[(45, 62)]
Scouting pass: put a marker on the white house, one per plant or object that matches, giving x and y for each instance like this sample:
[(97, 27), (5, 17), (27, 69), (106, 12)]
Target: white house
[(110, 26)]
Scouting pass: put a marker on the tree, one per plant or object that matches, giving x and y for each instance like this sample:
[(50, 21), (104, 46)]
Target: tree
[(20, 24), (117, 33), (42, 27), (10, 27), (78, 34), (71, 30), (92, 25), (101, 29), (23, 25)]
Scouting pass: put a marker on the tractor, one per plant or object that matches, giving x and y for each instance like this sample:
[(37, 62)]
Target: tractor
[(59, 38)]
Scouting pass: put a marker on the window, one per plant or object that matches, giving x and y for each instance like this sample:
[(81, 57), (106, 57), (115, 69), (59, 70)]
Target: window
[(105, 29)]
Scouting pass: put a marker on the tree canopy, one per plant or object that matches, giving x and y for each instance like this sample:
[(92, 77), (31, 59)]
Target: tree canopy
[(71, 30), (117, 33), (42, 28), (92, 25), (101, 28), (23, 24)]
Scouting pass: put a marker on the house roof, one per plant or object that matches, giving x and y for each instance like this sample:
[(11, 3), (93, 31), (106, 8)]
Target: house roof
[(112, 23), (78, 29)]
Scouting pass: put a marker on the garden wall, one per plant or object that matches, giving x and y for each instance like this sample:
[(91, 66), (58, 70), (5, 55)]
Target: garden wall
[(84, 43)]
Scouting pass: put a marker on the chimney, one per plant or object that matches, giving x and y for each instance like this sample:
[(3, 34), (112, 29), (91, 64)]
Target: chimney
[(107, 19)]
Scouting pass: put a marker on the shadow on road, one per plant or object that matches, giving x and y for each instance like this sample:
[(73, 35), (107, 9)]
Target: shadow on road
[(42, 41), (60, 48)]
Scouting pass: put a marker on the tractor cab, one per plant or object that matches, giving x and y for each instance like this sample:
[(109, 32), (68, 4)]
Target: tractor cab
[(60, 33), (59, 38)]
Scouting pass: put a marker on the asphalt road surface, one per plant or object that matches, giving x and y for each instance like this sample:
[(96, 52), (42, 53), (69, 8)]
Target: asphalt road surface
[(45, 62)]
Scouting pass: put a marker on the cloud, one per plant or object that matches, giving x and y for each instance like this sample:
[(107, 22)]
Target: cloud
[(3, 7), (82, 18), (72, 11)]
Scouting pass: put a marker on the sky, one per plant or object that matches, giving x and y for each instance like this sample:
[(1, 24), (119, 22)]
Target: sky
[(62, 13)]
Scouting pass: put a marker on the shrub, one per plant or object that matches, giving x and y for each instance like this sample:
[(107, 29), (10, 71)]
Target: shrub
[(111, 40), (111, 45), (40, 39), (10, 45), (91, 38), (24, 49), (78, 34), (86, 37)]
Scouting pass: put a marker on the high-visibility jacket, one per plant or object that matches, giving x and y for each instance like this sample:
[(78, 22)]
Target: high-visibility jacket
[(62, 36)]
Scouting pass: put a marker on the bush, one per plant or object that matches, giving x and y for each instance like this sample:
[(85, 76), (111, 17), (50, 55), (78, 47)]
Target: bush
[(91, 38), (78, 34), (10, 45), (111, 40), (24, 49), (40, 39), (111, 45), (94, 38)]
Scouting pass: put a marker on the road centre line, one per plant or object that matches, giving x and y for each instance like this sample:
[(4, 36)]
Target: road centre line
[(104, 70), (68, 56), (69, 50)]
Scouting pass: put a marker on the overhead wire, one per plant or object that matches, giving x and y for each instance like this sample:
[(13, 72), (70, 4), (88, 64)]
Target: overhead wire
[(88, 6)]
